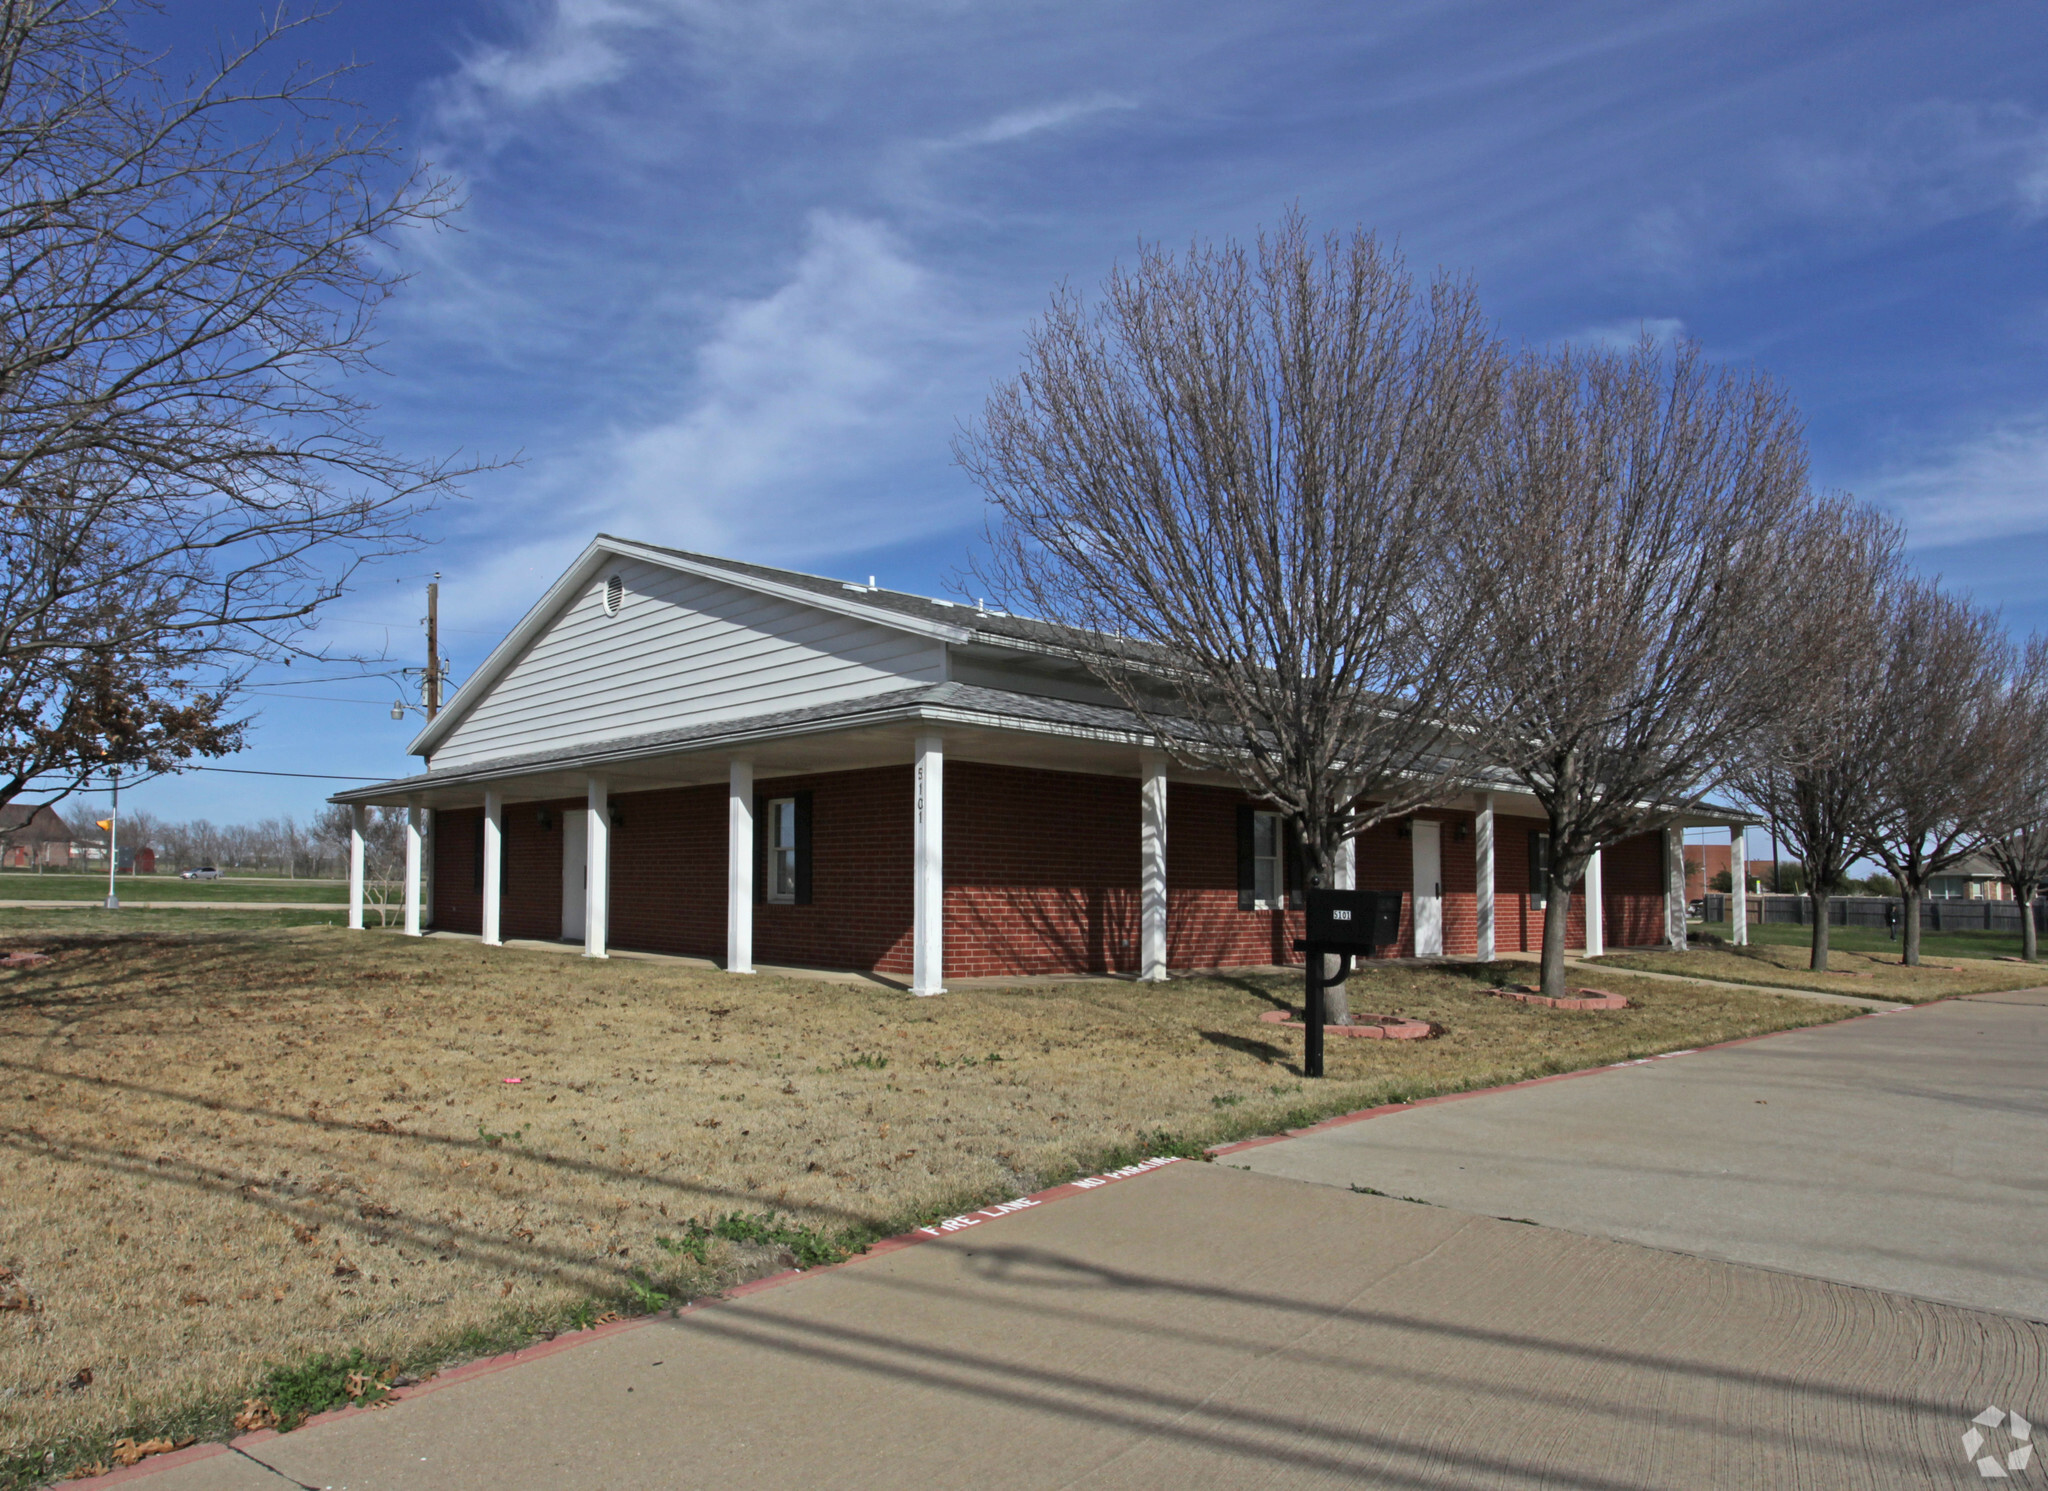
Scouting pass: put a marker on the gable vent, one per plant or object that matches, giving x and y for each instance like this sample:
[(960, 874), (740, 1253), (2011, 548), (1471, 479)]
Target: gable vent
[(614, 595)]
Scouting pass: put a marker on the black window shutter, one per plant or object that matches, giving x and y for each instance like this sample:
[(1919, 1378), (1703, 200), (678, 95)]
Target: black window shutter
[(1247, 883), (803, 849), (1539, 872), (477, 859), (760, 847), (1297, 870)]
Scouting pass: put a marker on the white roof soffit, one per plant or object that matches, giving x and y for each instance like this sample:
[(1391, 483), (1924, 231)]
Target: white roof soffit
[(584, 570)]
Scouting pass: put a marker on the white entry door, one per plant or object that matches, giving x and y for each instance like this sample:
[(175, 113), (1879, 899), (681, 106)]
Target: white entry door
[(575, 872), (1429, 889)]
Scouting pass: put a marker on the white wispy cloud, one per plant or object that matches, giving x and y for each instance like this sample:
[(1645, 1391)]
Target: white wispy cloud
[(850, 365), (1622, 336), (1992, 484), (1934, 162), (1018, 124)]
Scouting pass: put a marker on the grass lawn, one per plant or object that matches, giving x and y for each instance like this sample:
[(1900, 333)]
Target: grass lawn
[(26, 885), (227, 1152), (1859, 962)]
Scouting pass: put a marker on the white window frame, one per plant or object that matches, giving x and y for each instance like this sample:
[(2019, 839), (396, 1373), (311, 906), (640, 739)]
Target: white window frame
[(1278, 860), (781, 815)]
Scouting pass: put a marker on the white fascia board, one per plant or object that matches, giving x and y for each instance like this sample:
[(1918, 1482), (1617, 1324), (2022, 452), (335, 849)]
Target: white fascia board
[(584, 570)]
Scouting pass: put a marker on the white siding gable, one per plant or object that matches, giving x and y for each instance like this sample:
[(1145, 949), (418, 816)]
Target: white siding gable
[(682, 651)]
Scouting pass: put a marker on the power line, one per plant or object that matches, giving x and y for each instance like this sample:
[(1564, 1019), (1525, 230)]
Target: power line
[(250, 771)]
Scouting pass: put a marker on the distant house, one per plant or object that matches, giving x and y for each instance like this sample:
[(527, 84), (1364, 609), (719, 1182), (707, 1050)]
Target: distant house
[(680, 753), (35, 837), (1973, 879)]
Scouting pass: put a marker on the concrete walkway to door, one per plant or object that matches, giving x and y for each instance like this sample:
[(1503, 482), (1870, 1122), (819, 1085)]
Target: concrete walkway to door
[(1904, 1151)]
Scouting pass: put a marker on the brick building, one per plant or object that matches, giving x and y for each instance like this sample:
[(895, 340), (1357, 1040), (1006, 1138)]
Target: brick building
[(683, 754)]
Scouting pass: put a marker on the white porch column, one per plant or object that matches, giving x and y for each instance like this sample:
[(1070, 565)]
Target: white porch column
[(428, 818), (1596, 909), (1344, 873), (739, 869), (415, 835), (1482, 852), (1738, 884), (597, 885), (494, 866), (1674, 887), (1152, 868), (928, 934), (357, 819)]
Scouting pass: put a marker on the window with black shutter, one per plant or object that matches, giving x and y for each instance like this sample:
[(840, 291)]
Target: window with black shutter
[(1539, 870), (1265, 851), (782, 869), (476, 859)]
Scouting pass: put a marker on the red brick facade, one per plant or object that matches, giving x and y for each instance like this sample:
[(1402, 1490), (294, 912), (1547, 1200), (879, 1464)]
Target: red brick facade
[(1041, 876)]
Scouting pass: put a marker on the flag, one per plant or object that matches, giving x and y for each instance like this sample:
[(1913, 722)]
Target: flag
[(106, 823)]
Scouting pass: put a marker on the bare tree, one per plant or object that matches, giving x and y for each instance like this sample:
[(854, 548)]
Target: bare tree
[(1231, 475), (1813, 767), (2018, 839), (188, 273), (1938, 715), (1637, 515)]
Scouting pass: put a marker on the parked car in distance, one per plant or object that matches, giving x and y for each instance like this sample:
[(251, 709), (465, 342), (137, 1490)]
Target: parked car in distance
[(199, 872)]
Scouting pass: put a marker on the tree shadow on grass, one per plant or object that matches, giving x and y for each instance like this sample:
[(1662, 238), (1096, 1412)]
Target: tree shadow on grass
[(1264, 1051)]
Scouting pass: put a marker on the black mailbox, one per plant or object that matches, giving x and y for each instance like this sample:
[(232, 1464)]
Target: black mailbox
[(1353, 920)]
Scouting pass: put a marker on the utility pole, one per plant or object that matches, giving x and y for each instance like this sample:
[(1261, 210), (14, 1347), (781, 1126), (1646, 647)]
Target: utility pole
[(114, 844), (434, 646)]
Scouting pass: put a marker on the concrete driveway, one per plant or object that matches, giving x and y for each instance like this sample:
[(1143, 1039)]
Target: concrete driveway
[(1203, 1327), (1904, 1151)]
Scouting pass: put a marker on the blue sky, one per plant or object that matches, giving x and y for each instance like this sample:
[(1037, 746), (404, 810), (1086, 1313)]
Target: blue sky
[(732, 271)]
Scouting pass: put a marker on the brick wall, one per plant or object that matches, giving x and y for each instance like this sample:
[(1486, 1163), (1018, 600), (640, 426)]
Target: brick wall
[(1041, 876), (1041, 871), (533, 868), (458, 904), (668, 871), (861, 909), (1633, 871)]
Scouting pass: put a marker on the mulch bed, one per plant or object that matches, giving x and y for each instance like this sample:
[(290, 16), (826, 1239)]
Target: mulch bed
[(1575, 999), (1371, 1027)]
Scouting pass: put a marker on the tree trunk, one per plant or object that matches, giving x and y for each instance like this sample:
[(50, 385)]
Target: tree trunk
[(2030, 939), (1336, 997), (1556, 918), (1819, 963), (1909, 933)]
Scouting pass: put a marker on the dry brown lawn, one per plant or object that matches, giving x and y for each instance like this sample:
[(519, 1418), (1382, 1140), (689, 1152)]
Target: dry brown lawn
[(232, 1150), (1878, 975)]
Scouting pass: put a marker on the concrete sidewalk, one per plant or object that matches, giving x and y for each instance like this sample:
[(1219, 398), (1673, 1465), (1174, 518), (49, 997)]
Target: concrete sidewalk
[(1200, 1326), (1905, 1151)]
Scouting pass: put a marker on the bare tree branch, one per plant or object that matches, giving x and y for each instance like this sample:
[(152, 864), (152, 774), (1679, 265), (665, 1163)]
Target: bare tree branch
[(1233, 472), (1938, 719), (1814, 768), (188, 276), (2017, 840), (1639, 517)]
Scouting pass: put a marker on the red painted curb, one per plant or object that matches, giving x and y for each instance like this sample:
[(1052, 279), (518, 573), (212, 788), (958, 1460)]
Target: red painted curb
[(945, 1227)]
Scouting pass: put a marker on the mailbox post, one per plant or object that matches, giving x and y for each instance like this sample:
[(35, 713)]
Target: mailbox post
[(1340, 922)]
